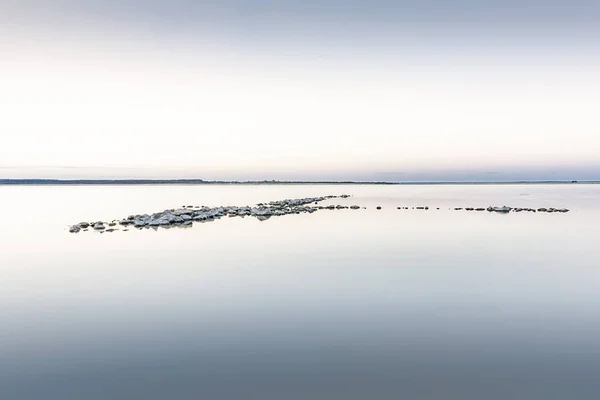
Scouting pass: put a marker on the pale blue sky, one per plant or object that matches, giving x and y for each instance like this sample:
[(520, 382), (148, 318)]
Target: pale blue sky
[(365, 90)]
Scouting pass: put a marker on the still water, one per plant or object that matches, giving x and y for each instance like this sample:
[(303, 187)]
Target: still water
[(345, 304)]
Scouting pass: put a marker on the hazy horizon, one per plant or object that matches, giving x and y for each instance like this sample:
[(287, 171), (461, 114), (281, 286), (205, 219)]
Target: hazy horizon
[(566, 174), (300, 90)]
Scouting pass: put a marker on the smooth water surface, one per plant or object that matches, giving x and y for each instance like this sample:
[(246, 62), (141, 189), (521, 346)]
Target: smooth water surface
[(345, 304)]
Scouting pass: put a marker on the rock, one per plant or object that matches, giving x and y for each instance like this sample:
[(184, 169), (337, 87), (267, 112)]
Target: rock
[(261, 212), (74, 229), (138, 223), (84, 224), (480, 209), (99, 226), (503, 209), (112, 224), (354, 207), (182, 211), (542, 209), (563, 210), (200, 217), (378, 207)]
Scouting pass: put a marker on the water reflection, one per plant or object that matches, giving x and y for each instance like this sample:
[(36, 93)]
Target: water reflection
[(342, 304)]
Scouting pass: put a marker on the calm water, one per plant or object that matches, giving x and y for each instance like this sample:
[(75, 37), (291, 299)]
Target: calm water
[(342, 304)]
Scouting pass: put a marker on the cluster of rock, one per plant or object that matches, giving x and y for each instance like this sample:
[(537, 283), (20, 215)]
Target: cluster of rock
[(505, 209), (338, 207), (185, 216)]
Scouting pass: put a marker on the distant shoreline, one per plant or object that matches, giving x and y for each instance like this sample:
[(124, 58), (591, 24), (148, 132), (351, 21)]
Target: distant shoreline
[(203, 182)]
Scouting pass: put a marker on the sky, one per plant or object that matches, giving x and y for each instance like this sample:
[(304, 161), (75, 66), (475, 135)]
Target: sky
[(405, 90)]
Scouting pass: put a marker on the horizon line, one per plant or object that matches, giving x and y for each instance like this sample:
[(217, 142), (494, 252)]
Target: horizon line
[(195, 181)]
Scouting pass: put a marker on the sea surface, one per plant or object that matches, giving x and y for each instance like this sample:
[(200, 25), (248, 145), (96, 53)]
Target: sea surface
[(345, 304)]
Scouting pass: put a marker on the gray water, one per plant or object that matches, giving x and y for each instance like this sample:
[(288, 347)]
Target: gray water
[(347, 304)]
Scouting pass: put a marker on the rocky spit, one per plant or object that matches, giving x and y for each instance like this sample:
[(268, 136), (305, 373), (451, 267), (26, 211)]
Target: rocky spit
[(187, 215)]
